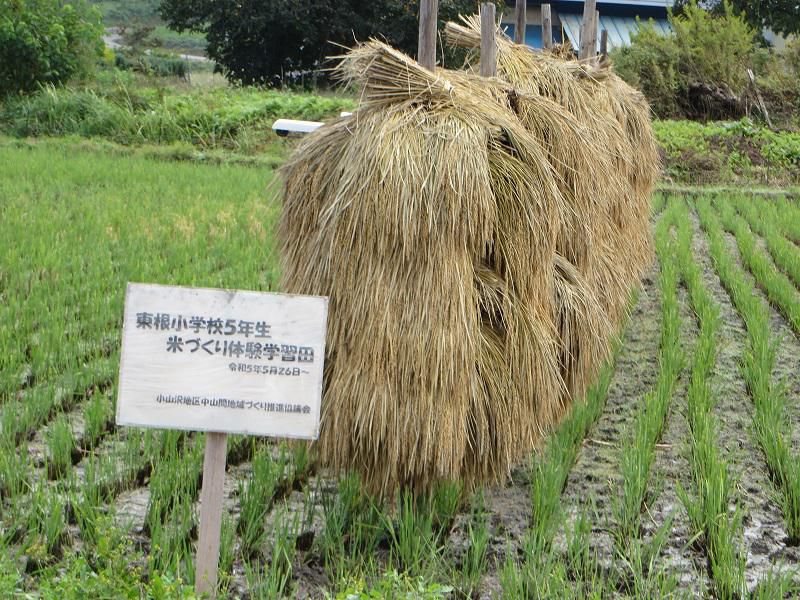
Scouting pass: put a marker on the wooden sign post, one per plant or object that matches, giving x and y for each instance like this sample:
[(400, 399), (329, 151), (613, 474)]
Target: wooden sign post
[(221, 361), (210, 513)]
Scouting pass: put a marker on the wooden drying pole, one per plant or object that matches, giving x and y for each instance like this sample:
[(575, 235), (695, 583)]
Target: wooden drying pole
[(589, 12), (520, 21), (604, 43), (426, 49), (488, 43), (547, 27)]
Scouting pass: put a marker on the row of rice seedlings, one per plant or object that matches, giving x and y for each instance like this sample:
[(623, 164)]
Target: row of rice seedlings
[(779, 290), (707, 506), (65, 448), (762, 219), (788, 219), (475, 560), (414, 535), (542, 572), (273, 579), (638, 570), (256, 498), (638, 450), (22, 417), (771, 423), (170, 520)]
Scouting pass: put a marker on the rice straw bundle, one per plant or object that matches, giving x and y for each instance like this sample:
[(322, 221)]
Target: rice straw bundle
[(460, 322), (606, 235)]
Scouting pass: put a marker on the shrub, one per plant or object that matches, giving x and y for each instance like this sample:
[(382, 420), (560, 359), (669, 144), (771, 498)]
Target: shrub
[(46, 41), (698, 70)]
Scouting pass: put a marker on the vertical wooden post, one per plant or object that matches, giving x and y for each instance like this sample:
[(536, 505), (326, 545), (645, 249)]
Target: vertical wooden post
[(547, 27), (428, 17), (520, 21), (210, 514), (604, 43), (595, 25), (588, 19), (488, 43)]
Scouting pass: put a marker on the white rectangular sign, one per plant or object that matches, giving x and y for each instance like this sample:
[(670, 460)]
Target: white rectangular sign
[(222, 360)]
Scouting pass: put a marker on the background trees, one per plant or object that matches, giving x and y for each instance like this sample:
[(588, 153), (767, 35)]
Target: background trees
[(46, 41), (258, 41)]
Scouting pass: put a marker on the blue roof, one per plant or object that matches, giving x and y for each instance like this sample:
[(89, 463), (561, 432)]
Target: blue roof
[(619, 28), (533, 34)]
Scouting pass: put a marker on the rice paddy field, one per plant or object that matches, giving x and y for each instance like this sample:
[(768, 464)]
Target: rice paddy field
[(677, 476)]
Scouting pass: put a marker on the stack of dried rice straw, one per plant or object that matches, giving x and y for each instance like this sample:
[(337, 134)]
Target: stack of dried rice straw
[(478, 239)]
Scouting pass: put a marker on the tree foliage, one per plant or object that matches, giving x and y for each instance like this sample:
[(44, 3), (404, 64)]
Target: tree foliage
[(781, 16), (46, 41), (261, 41), (697, 70)]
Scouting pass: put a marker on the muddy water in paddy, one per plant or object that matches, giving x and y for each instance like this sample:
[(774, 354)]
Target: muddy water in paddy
[(765, 536)]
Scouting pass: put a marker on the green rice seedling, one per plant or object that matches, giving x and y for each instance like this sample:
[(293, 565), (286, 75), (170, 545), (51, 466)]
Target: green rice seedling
[(414, 548), (227, 551), (549, 471), (779, 290), (15, 471), (171, 547), (275, 580), (175, 480), (88, 502), (582, 561), (354, 526), (61, 447), (643, 574), (475, 560), (658, 203), (255, 500), (301, 462), (97, 418), (778, 585), (46, 525), (771, 424), (445, 502)]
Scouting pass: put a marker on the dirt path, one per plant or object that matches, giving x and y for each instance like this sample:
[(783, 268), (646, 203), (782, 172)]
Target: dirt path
[(764, 529)]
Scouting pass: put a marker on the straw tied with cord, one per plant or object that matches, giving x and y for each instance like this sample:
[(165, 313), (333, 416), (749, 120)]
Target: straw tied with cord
[(478, 239)]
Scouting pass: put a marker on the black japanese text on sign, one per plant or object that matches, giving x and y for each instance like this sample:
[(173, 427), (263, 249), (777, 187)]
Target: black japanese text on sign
[(219, 360)]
